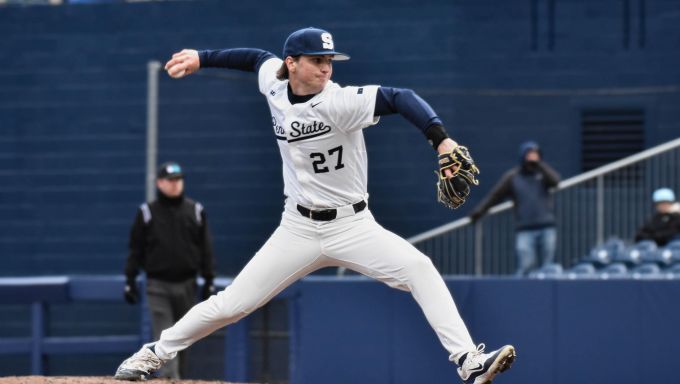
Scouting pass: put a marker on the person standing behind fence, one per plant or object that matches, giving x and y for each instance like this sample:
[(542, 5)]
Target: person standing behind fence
[(664, 226), (528, 185), (171, 242)]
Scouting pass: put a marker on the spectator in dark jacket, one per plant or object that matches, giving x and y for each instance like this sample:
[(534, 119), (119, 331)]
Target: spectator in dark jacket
[(664, 226), (528, 185), (171, 242)]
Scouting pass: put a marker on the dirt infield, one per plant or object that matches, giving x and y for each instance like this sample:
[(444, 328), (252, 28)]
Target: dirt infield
[(91, 380)]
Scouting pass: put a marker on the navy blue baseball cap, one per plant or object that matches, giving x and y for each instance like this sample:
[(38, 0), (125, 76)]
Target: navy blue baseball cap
[(170, 170), (311, 41)]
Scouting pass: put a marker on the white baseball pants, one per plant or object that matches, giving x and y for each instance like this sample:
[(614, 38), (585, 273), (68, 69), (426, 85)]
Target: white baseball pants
[(300, 246)]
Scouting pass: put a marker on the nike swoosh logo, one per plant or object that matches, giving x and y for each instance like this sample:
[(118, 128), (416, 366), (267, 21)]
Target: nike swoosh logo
[(314, 105), (477, 368)]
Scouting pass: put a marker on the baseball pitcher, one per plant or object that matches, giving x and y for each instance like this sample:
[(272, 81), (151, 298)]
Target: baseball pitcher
[(326, 221)]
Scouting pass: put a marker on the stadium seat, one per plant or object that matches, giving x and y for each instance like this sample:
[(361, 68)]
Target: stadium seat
[(647, 271), (549, 271), (615, 270), (633, 255), (603, 254), (660, 257), (582, 271), (671, 252), (599, 255), (615, 245), (673, 272)]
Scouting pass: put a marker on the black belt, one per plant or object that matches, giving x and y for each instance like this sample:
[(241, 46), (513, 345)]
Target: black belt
[(328, 214)]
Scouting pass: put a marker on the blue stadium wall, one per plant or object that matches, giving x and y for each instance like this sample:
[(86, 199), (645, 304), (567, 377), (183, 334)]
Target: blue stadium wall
[(73, 107), (356, 330)]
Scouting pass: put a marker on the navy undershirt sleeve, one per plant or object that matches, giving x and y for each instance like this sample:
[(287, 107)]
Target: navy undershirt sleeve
[(408, 104), (244, 59)]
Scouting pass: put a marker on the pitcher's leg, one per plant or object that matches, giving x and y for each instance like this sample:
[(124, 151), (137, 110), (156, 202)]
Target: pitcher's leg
[(285, 257), (368, 248)]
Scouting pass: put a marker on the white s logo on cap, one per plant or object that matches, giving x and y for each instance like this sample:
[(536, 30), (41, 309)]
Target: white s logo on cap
[(327, 40)]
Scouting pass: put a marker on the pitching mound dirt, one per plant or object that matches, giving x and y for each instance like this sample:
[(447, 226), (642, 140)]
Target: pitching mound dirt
[(90, 380)]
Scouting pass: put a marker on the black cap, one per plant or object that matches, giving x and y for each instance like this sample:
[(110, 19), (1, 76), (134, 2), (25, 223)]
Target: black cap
[(170, 170)]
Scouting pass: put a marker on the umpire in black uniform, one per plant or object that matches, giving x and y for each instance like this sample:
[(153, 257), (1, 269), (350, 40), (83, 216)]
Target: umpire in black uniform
[(171, 242)]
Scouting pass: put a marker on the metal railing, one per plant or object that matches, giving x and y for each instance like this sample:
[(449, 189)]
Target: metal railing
[(609, 201)]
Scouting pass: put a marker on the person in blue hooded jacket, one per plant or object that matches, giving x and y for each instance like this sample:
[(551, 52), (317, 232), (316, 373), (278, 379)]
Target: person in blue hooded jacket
[(528, 185)]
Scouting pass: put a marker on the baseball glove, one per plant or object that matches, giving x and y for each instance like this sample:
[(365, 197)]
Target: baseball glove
[(452, 191)]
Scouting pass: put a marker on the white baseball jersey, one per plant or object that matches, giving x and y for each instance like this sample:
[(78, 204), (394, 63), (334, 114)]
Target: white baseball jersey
[(321, 143)]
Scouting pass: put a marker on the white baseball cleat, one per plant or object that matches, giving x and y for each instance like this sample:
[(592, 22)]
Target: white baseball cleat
[(139, 366), (480, 368)]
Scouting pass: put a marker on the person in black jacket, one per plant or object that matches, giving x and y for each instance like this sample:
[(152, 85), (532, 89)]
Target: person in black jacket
[(528, 185), (664, 226), (171, 242)]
